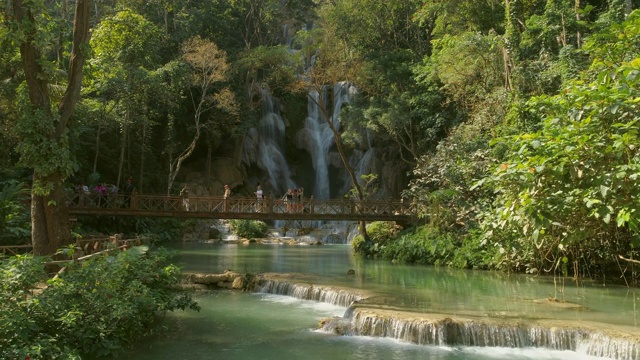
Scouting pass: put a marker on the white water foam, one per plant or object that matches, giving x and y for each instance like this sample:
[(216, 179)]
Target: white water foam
[(321, 309), (470, 352), (310, 292), (526, 353)]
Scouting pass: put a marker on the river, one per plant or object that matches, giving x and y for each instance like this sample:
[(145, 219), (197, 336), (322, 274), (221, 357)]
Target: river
[(238, 325)]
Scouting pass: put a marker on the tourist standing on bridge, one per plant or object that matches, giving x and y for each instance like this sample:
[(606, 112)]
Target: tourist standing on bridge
[(259, 198), (300, 195), (227, 195), (128, 192), (101, 190), (184, 193), (86, 193), (288, 199)]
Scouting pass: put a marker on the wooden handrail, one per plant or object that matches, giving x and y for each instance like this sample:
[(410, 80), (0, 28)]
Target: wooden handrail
[(237, 207)]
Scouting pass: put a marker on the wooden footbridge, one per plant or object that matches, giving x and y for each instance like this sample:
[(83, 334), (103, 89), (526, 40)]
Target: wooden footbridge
[(213, 207)]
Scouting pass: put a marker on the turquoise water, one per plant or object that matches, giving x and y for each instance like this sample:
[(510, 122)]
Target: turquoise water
[(236, 325)]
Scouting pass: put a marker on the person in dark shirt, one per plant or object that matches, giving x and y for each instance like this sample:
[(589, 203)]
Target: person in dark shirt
[(128, 192)]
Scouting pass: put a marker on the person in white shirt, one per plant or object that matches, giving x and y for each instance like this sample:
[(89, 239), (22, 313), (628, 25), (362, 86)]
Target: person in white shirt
[(259, 198), (184, 193)]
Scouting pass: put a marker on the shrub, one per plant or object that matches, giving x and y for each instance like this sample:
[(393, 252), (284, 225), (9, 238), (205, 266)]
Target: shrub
[(92, 309), (380, 233), (249, 229)]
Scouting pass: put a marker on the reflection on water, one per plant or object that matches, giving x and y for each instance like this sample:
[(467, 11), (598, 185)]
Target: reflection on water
[(261, 326)]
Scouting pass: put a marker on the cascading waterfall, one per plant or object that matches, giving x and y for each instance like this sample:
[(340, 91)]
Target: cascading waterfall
[(317, 138), (440, 330), (266, 146), (310, 292), (364, 317)]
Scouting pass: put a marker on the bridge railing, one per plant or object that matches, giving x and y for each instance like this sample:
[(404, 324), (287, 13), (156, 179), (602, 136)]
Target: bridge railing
[(236, 204)]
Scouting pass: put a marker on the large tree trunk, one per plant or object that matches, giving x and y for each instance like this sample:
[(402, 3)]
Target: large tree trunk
[(576, 9), (49, 214), (142, 159), (49, 219)]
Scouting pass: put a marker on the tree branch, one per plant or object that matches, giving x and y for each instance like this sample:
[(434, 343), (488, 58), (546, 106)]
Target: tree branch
[(628, 260)]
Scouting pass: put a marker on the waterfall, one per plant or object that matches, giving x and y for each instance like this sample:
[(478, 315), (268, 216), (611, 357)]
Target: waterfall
[(440, 330), (310, 292), (372, 316), (320, 140), (317, 138), (265, 146)]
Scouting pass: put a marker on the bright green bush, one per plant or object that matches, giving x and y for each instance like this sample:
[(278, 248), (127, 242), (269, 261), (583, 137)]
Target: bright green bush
[(249, 229), (380, 233), (92, 309), (426, 245)]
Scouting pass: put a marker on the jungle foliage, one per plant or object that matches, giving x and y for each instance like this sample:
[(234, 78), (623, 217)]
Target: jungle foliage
[(515, 120)]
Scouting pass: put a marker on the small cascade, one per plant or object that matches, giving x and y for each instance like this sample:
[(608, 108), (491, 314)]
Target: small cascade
[(597, 344), (445, 331), (466, 333), (310, 292)]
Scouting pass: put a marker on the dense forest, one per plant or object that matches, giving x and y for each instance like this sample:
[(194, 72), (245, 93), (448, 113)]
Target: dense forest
[(515, 120)]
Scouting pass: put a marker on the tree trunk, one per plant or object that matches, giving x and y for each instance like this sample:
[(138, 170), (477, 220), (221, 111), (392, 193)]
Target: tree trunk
[(49, 213), (208, 166), (95, 158), (144, 137), (123, 145), (49, 219), (576, 9), (175, 165)]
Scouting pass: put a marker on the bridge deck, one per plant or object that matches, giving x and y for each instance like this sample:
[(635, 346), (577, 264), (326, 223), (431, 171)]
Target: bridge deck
[(237, 208)]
